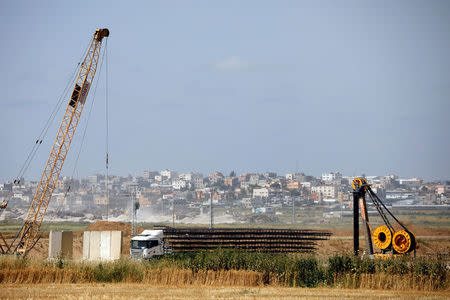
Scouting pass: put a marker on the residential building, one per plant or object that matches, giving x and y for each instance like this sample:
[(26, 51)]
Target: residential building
[(231, 181), (185, 176), (253, 178), (331, 176), (262, 193), (178, 184), (327, 191), (197, 180), (293, 185), (167, 174)]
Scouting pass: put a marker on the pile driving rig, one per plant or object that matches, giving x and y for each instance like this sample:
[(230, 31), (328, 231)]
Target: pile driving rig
[(385, 237)]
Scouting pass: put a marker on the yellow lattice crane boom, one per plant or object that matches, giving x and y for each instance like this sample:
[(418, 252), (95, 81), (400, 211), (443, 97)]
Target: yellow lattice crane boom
[(28, 235)]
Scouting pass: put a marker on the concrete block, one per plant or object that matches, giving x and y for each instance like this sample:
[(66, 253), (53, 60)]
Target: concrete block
[(86, 244), (60, 244), (102, 245), (94, 245), (67, 244), (105, 245), (116, 244), (54, 244)]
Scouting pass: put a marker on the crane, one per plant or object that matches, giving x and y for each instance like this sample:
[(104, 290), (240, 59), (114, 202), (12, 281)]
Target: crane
[(28, 235)]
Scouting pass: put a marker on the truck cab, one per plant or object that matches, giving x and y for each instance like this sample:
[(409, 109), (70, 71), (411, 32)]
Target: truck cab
[(148, 244)]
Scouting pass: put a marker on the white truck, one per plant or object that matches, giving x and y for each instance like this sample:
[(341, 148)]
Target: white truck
[(148, 244)]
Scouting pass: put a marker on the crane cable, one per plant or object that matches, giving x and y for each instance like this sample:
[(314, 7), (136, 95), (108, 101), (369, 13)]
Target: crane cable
[(49, 122), (44, 130), (374, 196), (377, 204), (107, 131), (86, 126)]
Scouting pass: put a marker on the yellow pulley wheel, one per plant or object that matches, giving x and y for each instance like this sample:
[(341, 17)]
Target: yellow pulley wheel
[(357, 182), (382, 237), (403, 241)]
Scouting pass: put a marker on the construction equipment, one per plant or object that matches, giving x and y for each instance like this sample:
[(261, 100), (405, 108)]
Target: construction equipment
[(385, 237), (28, 235), (164, 240)]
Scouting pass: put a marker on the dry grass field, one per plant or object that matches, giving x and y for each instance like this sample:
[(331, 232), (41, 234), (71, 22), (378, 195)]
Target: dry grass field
[(141, 291), (37, 279)]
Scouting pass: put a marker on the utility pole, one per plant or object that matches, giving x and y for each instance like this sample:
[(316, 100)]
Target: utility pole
[(356, 195), (173, 212), (134, 208), (107, 195), (211, 224), (293, 210)]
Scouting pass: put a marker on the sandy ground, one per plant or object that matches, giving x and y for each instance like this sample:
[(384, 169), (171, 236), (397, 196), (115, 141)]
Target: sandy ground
[(139, 291)]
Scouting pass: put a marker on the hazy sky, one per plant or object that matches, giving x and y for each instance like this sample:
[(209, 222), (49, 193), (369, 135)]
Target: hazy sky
[(314, 86)]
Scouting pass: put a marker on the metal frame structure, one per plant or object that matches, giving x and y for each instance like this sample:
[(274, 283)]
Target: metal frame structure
[(28, 236), (385, 237)]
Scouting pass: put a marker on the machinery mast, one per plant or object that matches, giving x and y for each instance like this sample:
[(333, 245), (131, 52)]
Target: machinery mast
[(385, 237), (28, 235)]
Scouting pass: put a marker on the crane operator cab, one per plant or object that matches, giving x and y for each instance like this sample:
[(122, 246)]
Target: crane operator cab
[(148, 244), (76, 97)]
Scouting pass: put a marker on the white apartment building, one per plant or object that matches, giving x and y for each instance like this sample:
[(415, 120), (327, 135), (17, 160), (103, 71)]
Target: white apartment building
[(178, 184), (306, 184), (327, 191), (93, 179), (22, 197), (165, 173), (331, 176), (253, 179), (168, 174), (185, 176), (263, 193), (290, 176)]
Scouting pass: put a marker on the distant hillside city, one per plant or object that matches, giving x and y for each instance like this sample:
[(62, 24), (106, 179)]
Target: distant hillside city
[(169, 196)]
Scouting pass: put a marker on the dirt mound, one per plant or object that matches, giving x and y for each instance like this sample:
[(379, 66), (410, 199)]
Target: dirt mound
[(110, 226)]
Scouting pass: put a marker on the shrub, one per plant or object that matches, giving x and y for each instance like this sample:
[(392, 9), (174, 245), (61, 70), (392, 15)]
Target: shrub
[(308, 272)]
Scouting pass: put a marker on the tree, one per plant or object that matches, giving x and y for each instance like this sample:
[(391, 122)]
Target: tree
[(275, 185)]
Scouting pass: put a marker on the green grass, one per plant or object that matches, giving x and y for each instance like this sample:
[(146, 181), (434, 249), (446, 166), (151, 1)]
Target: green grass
[(46, 226)]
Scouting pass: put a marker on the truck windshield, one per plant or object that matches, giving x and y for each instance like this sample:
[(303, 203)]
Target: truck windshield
[(144, 244), (138, 244)]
